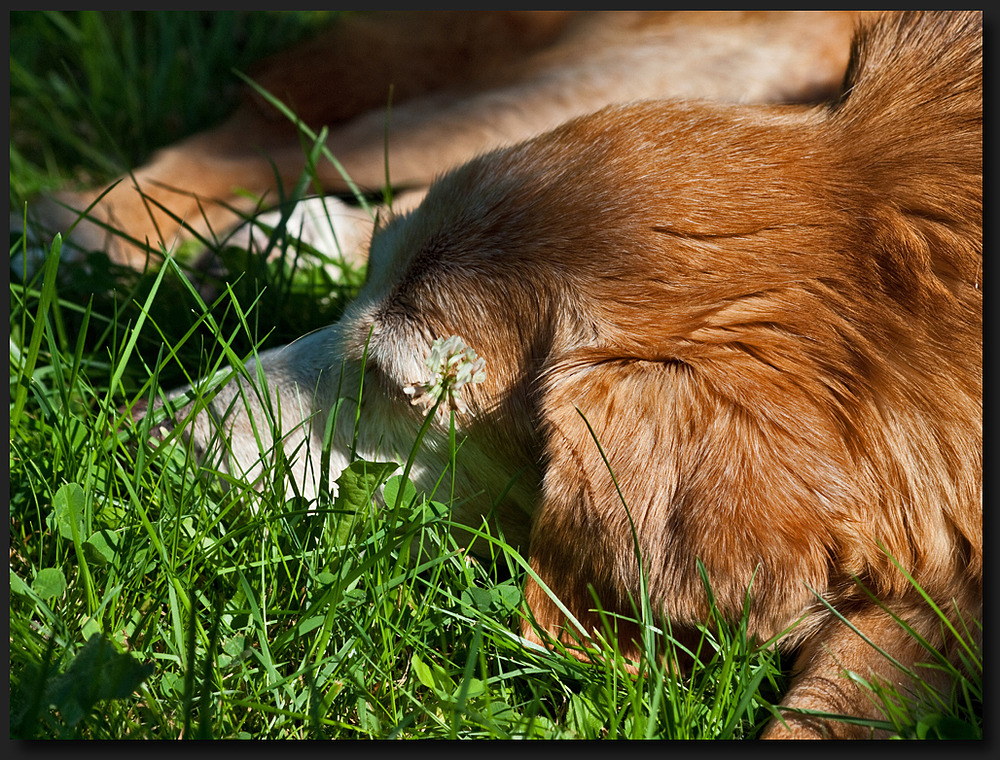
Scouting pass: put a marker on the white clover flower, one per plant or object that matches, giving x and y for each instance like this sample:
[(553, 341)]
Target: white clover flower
[(452, 366)]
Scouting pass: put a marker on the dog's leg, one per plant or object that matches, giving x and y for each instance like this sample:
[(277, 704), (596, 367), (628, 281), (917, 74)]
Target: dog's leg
[(192, 187), (201, 185), (828, 663)]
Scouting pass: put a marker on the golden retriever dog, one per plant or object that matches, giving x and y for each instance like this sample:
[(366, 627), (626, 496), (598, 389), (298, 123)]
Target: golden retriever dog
[(438, 88), (742, 335)]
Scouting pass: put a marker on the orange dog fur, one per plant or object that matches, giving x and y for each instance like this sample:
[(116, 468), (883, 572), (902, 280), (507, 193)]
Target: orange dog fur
[(770, 319)]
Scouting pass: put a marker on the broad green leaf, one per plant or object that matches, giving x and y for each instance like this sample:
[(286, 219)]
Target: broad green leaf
[(500, 599), (939, 726), (98, 672), (355, 488), (101, 548), (68, 508), (49, 582), (584, 716), (90, 627), (506, 597), (423, 672), (392, 487), (434, 677), (477, 598), (358, 482), (170, 682), (474, 687)]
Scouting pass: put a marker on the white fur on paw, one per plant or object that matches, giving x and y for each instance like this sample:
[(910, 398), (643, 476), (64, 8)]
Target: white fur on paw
[(327, 224)]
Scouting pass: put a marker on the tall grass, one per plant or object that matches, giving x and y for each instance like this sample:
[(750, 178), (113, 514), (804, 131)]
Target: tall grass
[(184, 605), (153, 597)]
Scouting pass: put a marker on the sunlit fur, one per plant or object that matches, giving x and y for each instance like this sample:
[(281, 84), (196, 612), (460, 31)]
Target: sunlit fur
[(768, 317)]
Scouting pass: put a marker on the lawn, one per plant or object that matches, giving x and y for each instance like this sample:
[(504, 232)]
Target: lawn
[(152, 597)]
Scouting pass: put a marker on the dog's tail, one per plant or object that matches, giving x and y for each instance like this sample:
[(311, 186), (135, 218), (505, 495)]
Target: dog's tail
[(915, 83), (910, 130)]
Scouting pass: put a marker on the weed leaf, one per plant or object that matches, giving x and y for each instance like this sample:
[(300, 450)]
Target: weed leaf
[(392, 489), (356, 486), (101, 547), (49, 583), (98, 672), (68, 509)]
